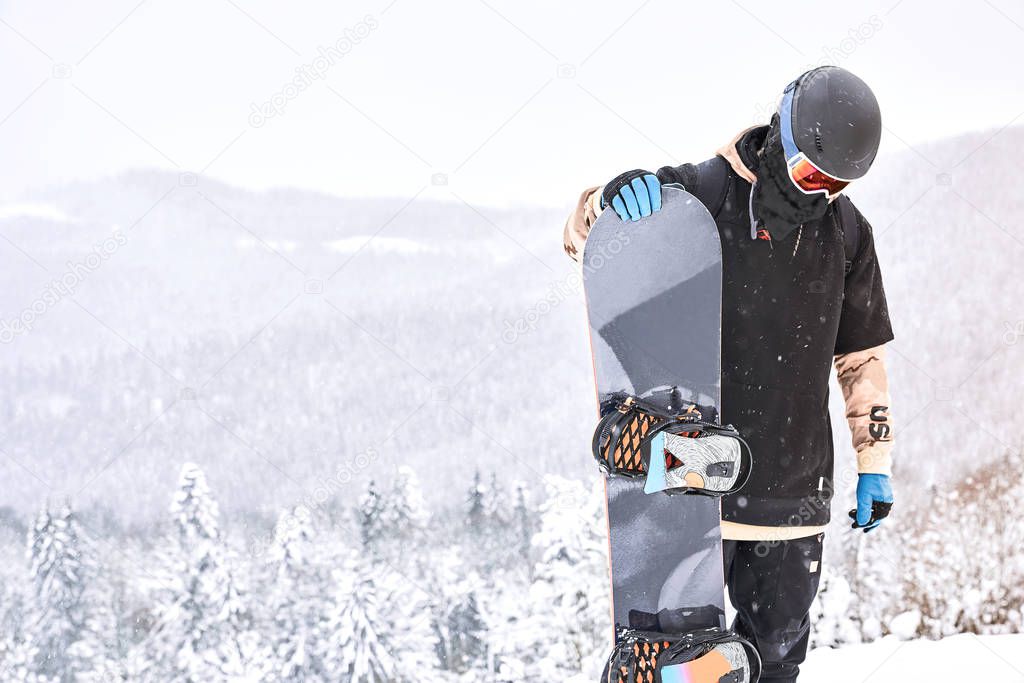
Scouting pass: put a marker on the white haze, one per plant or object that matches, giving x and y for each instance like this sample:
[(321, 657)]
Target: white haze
[(231, 329)]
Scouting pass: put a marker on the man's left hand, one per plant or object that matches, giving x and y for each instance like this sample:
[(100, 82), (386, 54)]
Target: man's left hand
[(874, 500)]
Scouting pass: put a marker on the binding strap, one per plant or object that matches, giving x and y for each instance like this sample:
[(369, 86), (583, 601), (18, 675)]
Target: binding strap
[(712, 654), (630, 424)]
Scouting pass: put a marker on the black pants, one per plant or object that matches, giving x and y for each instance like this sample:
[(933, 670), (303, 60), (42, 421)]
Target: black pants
[(771, 585)]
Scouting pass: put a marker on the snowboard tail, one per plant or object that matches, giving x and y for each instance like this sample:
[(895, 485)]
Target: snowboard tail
[(709, 655)]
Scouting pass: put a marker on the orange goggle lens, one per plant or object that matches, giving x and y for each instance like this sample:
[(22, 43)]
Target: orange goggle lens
[(809, 178)]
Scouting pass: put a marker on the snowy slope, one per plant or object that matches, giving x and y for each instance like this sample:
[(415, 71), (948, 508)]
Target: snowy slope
[(965, 657)]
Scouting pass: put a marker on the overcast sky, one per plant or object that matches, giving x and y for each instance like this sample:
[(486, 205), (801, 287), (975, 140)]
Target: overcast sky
[(514, 102)]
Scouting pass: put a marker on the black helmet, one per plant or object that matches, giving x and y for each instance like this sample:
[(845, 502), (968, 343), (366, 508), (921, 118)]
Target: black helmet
[(836, 121)]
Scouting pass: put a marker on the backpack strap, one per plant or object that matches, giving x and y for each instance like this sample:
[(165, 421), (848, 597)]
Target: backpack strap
[(708, 181), (850, 226), (713, 183)]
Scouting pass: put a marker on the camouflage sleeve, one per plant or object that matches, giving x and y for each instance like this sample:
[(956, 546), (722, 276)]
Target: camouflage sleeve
[(865, 386), (577, 227)]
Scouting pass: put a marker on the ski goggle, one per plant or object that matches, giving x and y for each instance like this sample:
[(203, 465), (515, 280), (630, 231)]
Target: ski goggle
[(807, 177)]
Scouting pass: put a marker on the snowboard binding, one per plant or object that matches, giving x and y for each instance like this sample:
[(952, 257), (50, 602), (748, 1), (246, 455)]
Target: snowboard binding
[(676, 449), (711, 655)]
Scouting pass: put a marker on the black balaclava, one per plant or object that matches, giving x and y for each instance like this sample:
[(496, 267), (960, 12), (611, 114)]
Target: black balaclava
[(778, 205)]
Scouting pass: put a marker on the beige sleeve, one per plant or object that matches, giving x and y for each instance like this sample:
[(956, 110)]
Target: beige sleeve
[(865, 386), (577, 227)]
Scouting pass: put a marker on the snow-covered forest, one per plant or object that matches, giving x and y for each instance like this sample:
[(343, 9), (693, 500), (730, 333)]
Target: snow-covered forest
[(497, 587), (492, 589), (264, 438)]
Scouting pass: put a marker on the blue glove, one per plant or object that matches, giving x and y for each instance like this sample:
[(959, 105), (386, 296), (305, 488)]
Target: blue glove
[(633, 195), (874, 501)]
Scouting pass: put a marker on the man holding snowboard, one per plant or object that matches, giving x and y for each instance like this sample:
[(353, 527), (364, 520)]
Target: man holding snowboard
[(802, 291)]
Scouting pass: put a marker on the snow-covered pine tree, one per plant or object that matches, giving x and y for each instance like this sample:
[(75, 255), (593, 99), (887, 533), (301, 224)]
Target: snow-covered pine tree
[(19, 663), (494, 542), (523, 521), (292, 544), (295, 600), (355, 645), (371, 517), (194, 512), (204, 632), (6, 632), (476, 505), (407, 611), (495, 501), (458, 624), (377, 627), (569, 597), (58, 627), (400, 524), (469, 633), (510, 627), (445, 571), (110, 615), (404, 511), (15, 655)]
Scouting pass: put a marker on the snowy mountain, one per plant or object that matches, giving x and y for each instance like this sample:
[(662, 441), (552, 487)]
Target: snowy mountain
[(275, 336), (353, 378)]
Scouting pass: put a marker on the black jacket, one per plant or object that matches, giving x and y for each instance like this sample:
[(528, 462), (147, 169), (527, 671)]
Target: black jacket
[(788, 308)]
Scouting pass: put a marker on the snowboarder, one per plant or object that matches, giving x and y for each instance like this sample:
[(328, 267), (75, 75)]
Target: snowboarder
[(802, 291)]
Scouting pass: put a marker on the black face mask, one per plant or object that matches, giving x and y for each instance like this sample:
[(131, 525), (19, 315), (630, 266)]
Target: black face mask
[(778, 205)]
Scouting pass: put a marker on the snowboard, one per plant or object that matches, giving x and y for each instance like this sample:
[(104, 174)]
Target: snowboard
[(653, 292)]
